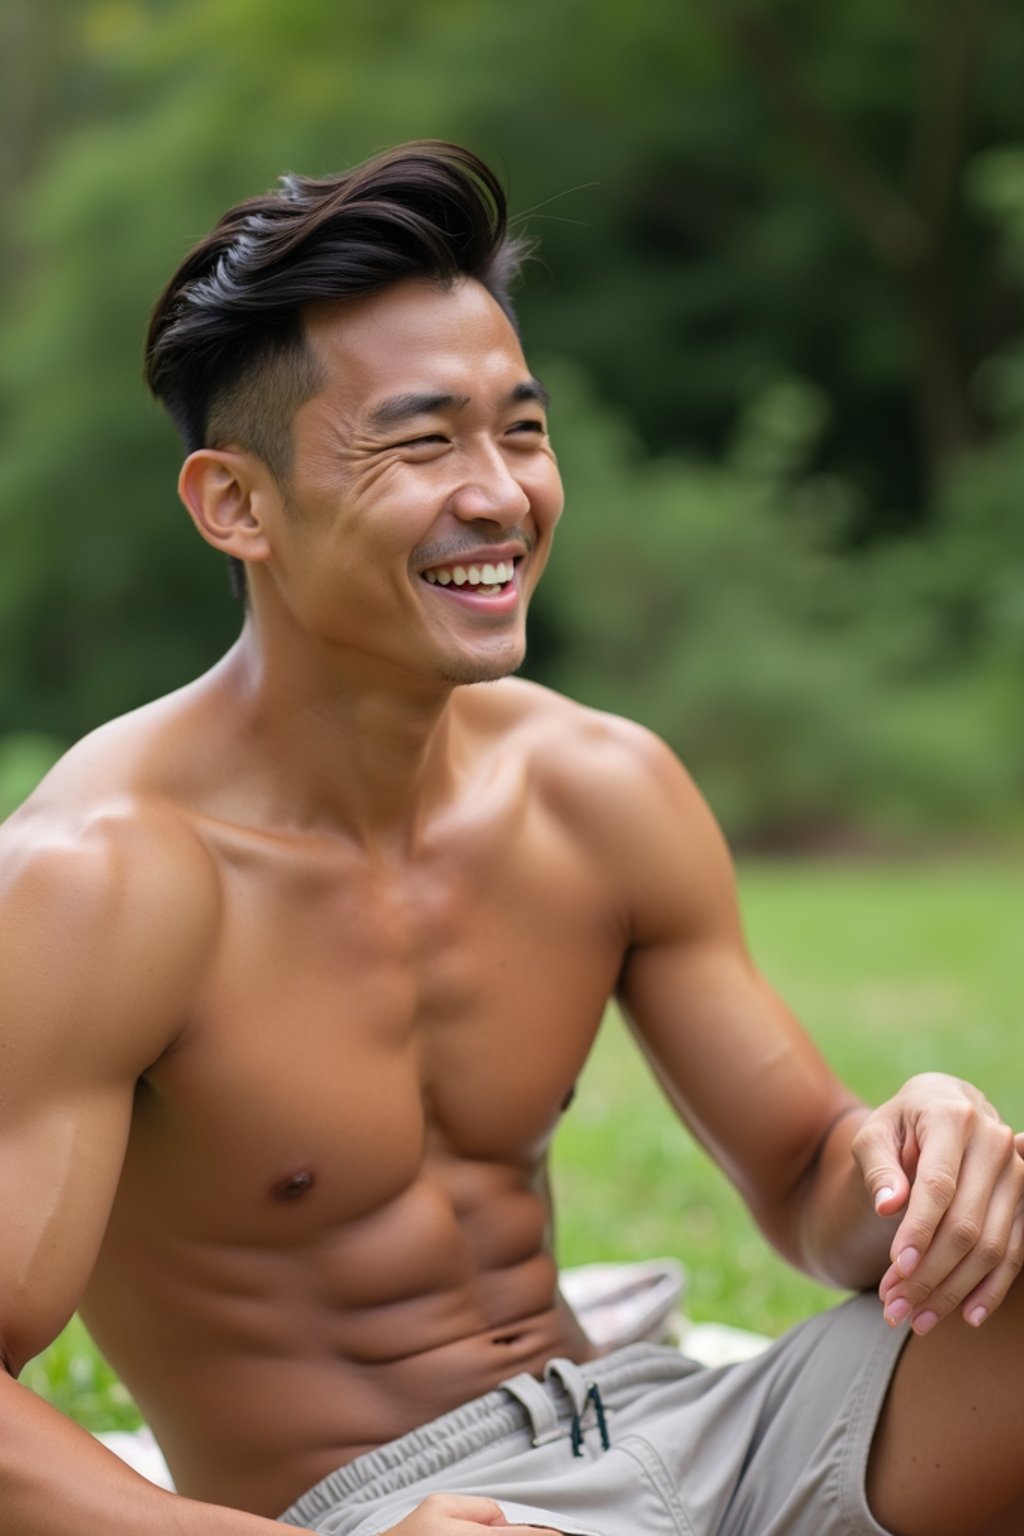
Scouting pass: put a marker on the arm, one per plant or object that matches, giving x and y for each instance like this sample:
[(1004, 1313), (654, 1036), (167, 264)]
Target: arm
[(741, 1072), (101, 937), (924, 1195)]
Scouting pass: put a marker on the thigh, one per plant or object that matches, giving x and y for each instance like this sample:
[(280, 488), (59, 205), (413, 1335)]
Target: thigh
[(804, 1466), (947, 1458)]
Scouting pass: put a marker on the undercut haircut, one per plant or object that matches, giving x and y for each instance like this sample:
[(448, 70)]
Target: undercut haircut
[(226, 352)]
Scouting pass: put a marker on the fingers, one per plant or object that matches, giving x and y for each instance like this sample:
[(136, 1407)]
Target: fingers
[(941, 1177), (984, 1299), (961, 1241), (878, 1149), (455, 1514), (938, 1161)]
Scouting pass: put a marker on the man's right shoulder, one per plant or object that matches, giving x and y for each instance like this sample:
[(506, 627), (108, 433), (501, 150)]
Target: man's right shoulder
[(108, 899), (103, 850)]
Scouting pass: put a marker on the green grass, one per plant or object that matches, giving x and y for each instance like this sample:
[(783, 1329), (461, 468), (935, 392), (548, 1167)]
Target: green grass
[(893, 970)]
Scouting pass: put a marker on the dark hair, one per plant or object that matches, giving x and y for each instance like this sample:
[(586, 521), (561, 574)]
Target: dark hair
[(226, 351)]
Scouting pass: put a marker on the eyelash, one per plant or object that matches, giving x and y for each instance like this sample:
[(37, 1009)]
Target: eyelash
[(535, 427)]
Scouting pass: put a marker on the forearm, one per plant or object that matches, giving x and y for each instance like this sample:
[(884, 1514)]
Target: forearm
[(843, 1241), (56, 1480)]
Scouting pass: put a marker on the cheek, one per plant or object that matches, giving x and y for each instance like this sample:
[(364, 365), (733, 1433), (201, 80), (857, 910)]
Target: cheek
[(548, 498)]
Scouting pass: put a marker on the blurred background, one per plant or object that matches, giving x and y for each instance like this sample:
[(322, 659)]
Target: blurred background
[(778, 303)]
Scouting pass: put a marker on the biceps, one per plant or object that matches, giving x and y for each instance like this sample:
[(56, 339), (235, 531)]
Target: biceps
[(59, 1168), (740, 1070)]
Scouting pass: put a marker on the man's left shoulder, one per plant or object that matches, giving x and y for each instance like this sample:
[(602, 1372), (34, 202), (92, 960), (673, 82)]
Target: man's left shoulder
[(592, 763), (546, 719)]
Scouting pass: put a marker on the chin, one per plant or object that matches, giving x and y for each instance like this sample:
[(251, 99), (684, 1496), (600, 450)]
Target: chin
[(463, 670)]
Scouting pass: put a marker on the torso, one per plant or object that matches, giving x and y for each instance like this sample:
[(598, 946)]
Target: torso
[(333, 1221)]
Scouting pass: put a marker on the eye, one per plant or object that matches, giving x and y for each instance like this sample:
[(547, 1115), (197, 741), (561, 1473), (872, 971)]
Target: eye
[(528, 428), (428, 440)]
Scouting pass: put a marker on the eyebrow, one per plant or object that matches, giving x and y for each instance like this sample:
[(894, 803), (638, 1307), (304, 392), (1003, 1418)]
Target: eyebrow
[(532, 389), (397, 409)]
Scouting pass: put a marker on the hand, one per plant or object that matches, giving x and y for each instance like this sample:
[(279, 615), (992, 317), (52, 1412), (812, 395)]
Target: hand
[(451, 1514), (939, 1154)]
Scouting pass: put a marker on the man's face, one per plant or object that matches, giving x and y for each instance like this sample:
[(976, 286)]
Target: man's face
[(424, 491)]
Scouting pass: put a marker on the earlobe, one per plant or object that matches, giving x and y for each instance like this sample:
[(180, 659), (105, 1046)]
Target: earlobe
[(223, 492)]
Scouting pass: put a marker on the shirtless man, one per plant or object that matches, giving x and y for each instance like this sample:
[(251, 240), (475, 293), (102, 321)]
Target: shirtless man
[(301, 962)]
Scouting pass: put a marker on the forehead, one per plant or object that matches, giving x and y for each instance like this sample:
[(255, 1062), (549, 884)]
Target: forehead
[(417, 337)]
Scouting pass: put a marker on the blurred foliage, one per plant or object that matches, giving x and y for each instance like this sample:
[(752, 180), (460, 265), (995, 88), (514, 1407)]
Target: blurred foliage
[(800, 683), (24, 757), (75, 1378), (783, 248)]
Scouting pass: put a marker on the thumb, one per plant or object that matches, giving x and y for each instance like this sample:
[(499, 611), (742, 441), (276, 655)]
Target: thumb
[(878, 1156), (475, 1509)]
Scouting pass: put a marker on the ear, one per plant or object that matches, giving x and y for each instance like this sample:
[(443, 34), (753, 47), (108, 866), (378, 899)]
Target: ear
[(227, 493)]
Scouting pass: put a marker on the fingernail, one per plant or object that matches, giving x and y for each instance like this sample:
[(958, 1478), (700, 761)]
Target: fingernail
[(924, 1322), (977, 1316), (896, 1311), (906, 1262), (882, 1196)]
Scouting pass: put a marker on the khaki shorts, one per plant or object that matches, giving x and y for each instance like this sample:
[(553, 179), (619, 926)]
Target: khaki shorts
[(645, 1440)]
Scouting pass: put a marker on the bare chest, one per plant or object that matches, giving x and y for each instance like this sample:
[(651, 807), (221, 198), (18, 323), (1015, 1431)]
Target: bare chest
[(362, 1023)]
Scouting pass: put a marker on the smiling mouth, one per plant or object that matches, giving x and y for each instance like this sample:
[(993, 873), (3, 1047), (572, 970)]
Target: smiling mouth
[(488, 579)]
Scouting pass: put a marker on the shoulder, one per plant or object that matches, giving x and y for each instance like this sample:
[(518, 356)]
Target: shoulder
[(544, 720), (113, 861), (109, 905), (624, 795), (584, 757)]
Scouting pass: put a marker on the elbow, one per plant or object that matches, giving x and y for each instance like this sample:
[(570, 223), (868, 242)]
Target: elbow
[(9, 1361), (17, 1349)]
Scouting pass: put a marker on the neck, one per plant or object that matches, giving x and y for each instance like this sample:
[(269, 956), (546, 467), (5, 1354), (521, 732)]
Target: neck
[(338, 743)]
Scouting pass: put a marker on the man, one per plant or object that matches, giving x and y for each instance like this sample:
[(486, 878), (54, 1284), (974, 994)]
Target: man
[(301, 963)]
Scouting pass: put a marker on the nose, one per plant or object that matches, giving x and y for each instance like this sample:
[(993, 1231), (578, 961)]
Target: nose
[(490, 492)]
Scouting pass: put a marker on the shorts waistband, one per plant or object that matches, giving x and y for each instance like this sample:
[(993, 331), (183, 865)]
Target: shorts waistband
[(443, 1442)]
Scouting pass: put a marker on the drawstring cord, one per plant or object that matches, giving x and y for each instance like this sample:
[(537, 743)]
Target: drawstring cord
[(562, 1379), (576, 1428)]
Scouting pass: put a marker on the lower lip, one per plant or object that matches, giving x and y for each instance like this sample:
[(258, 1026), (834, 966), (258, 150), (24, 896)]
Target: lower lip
[(504, 602)]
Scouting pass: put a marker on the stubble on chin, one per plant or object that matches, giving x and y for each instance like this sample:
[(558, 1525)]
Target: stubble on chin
[(475, 670)]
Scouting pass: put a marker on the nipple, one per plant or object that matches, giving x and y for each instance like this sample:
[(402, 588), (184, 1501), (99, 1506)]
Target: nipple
[(294, 1185)]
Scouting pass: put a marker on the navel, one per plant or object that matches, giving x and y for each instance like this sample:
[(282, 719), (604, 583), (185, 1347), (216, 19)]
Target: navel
[(294, 1185)]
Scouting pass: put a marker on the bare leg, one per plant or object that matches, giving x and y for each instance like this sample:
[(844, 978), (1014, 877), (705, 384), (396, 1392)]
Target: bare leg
[(948, 1455)]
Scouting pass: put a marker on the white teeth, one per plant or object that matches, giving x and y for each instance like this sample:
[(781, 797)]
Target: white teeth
[(489, 578)]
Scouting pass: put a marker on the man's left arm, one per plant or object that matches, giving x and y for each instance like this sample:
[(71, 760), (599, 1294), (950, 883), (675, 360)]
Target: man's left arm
[(923, 1196)]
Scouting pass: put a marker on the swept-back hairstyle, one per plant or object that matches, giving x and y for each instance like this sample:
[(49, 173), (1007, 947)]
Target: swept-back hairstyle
[(226, 352)]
